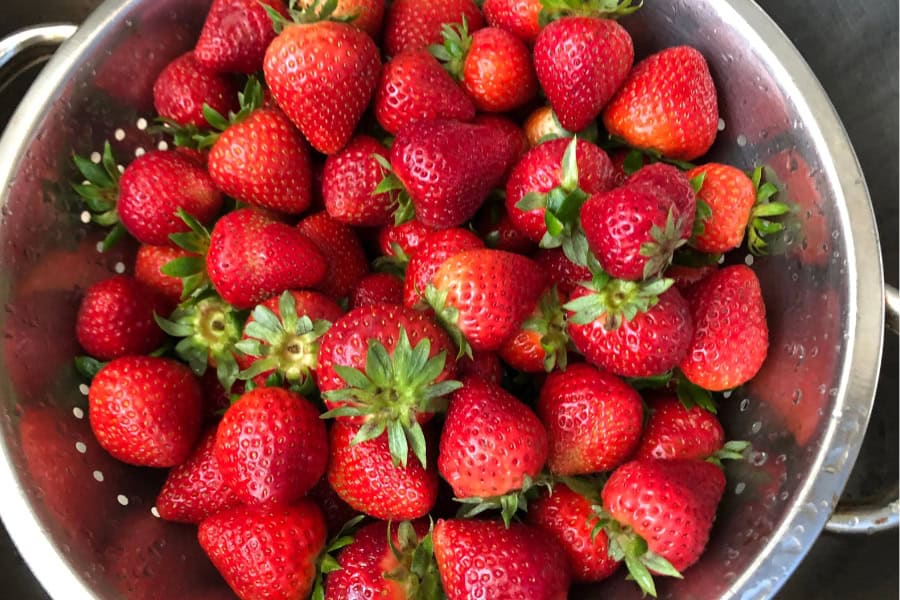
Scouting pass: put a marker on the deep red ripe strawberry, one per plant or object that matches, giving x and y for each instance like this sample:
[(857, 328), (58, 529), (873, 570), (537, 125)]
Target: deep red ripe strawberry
[(152, 189), (342, 250), (366, 15), (491, 442), (515, 135), (147, 265), (482, 365), (483, 295), (731, 337), (184, 86), (240, 265), (667, 104), (522, 561), (415, 87), (448, 168), (236, 34), (569, 517), (651, 343), (264, 161), (146, 411), (541, 170), (412, 24), (671, 185), (116, 318), (336, 511), (561, 271), (540, 343), (520, 17), (674, 431), (730, 195), (406, 236), (377, 288), (594, 420), (581, 62), (195, 490), (495, 227), (349, 180), (365, 477), (436, 247), (266, 552), (271, 447), (685, 276), (322, 75), (619, 158)]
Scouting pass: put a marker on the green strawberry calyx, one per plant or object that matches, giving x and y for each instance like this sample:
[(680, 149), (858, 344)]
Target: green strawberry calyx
[(732, 450), (311, 12), (761, 225), (666, 240), (395, 263), (550, 322), (637, 157), (556, 131), (99, 190), (394, 389), (448, 316), (616, 299), (417, 570), (190, 269), (327, 563), (688, 393), (391, 184), (610, 9), (455, 47), (508, 504)]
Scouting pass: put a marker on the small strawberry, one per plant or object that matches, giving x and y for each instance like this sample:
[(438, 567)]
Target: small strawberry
[(349, 181), (674, 432), (593, 419), (148, 266), (342, 251), (413, 24), (377, 288), (520, 17), (184, 86), (116, 318), (322, 74), (266, 552), (146, 411), (405, 237), (365, 15), (436, 247), (668, 104), (562, 272), (540, 343), (236, 34), (523, 561), (543, 126), (731, 337)]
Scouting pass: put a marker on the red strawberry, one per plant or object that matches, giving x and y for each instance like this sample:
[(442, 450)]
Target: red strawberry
[(540, 343), (483, 295), (731, 338), (337, 512), (365, 15), (236, 34), (581, 62), (240, 265), (674, 431), (271, 447), (195, 490), (593, 419), (730, 196), (413, 24), (562, 272), (496, 228), (322, 75), (685, 276), (523, 561), (520, 17), (377, 288), (482, 365), (146, 411), (366, 477), (342, 250), (184, 86), (266, 552), (436, 247), (215, 398), (414, 87), (406, 236), (667, 104), (670, 185), (569, 517), (349, 181), (515, 136), (116, 318), (543, 126), (147, 265)]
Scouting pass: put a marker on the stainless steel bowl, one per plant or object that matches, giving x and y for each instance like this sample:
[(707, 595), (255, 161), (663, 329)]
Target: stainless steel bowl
[(84, 523)]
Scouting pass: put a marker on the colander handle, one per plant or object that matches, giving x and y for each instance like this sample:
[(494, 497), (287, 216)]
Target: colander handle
[(28, 47), (869, 519)]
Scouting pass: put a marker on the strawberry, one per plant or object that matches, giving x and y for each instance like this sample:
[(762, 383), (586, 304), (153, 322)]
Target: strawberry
[(365, 15), (674, 432), (731, 338), (482, 296), (414, 87), (239, 259), (322, 74), (668, 104), (412, 24), (684, 276), (236, 34), (436, 247), (266, 552), (271, 447), (377, 288), (492, 64), (367, 478), (184, 86), (495, 227), (482, 365), (540, 343), (342, 251), (337, 512), (406, 237), (515, 136), (523, 561), (580, 63), (195, 490), (349, 181), (146, 411), (116, 318), (543, 126), (561, 271), (593, 419), (148, 266), (671, 185), (520, 17)]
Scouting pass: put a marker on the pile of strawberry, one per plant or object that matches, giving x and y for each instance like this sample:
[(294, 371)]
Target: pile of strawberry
[(526, 284)]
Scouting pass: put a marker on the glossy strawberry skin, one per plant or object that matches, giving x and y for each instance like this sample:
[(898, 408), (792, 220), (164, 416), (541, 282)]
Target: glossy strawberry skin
[(685, 277), (520, 17), (342, 250), (408, 236), (523, 561), (594, 420), (515, 136), (236, 34), (731, 337), (152, 189), (263, 161), (675, 432), (497, 72), (581, 62), (377, 288), (349, 180), (436, 247), (266, 552), (146, 411), (561, 271), (668, 104), (147, 265), (412, 24), (730, 195), (271, 447), (184, 86), (672, 186)]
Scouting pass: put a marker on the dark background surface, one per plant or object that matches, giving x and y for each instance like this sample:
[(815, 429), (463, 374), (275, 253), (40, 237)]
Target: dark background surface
[(853, 48)]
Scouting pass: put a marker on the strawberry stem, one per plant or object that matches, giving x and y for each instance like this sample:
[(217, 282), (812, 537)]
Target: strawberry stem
[(417, 569), (508, 504), (453, 51), (609, 9), (760, 225), (550, 322), (616, 299), (99, 190)]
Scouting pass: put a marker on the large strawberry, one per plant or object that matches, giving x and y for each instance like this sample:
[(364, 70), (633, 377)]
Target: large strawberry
[(349, 181), (266, 552), (146, 411), (562, 272), (377, 288), (593, 419), (731, 337), (674, 431), (521, 17), (523, 561), (668, 104), (322, 74), (413, 24), (236, 34), (540, 343), (516, 140), (436, 247), (271, 447), (184, 86), (148, 265), (543, 126), (342, 251)]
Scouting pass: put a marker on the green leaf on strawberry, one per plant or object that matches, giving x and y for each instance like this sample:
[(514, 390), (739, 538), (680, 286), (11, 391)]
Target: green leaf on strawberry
[(508, 504), (761, 224), (608, 9), (99, 190), (732, 450), (417, 569), (190, 269), (448, 317), (550, 322), (405, 210), (665, 242), (452, 52), (88, 366), (692, 395), (327, 563), (616, 299)]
